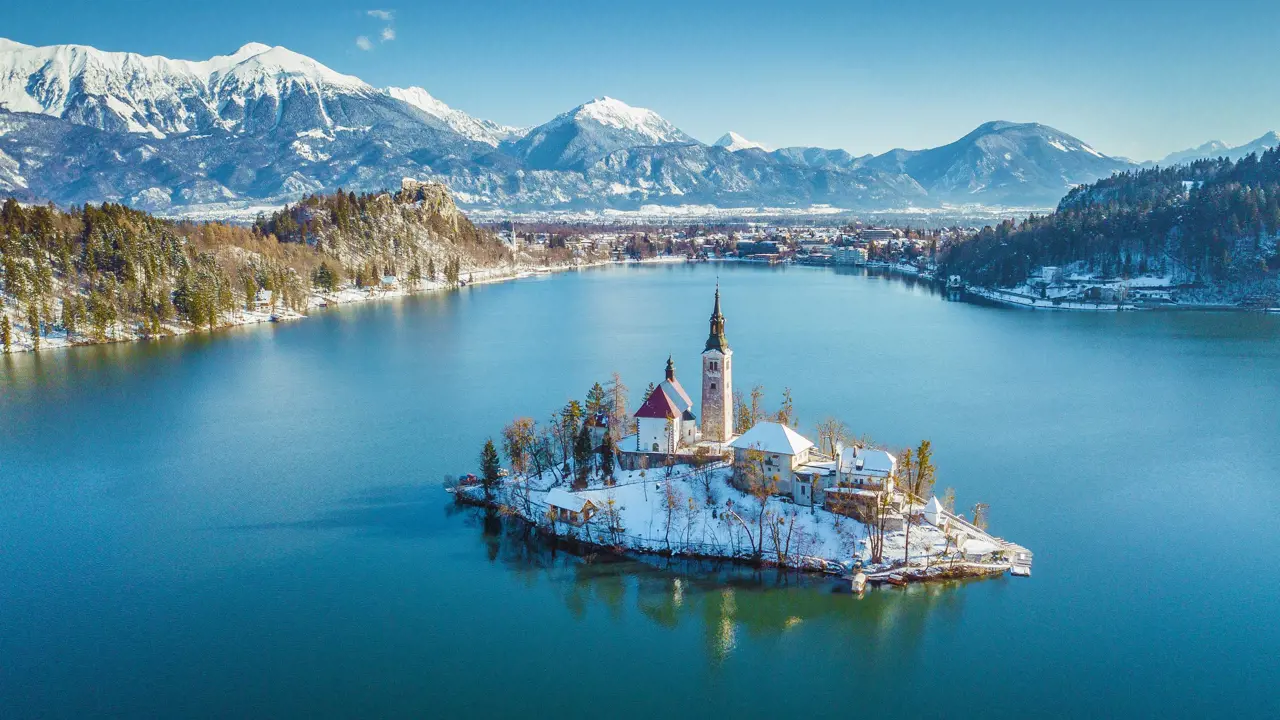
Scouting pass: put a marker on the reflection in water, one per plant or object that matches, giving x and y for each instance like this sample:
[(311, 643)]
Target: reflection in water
[(730, 602)]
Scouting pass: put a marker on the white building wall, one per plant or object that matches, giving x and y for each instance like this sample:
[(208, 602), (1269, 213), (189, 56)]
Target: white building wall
[(654, 432)]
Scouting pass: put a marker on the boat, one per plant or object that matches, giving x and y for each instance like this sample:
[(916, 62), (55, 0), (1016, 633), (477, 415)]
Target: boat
[(1020, 571), (954, 283), (896, 581)]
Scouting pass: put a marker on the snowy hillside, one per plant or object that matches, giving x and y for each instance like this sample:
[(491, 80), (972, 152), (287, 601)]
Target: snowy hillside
[(485, 131), (1003, 162)]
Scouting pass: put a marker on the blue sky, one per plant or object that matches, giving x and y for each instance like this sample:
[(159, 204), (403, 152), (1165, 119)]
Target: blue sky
[(1132, 77)]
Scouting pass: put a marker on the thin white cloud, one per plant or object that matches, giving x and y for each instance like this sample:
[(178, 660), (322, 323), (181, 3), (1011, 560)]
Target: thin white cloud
[(388, 34), (364, 43), (382, 14)]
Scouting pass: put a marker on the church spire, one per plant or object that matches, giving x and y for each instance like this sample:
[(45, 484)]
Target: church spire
[(671, 369), (716, 340)]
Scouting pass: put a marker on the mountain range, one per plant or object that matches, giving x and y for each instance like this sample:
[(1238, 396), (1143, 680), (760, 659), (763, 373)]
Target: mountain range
[(265, 125), (1217, 149)]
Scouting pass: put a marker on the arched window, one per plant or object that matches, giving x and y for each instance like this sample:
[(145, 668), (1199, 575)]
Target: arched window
[(655, 447)]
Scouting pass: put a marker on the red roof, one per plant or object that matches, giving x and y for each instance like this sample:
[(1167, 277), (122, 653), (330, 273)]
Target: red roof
[(658, 406)]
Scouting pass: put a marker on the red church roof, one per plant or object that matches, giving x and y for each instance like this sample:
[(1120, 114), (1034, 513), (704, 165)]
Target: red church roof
[(659, 405)]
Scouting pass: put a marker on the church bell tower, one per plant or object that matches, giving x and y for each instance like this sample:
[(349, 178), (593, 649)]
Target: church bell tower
[(717, 381)]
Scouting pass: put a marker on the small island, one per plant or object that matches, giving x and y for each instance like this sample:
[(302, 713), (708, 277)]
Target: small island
[(738, 485)]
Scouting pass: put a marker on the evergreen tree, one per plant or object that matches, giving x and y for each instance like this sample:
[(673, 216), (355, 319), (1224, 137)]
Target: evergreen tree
[(607, 453), (33, 325), (596, 401), (6, 333), (582, 454), (490, 469)]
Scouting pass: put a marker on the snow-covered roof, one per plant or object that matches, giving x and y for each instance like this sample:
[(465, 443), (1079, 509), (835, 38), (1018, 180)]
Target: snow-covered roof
[(561, 498), (977, 546), (867, 462), (659, 405), (677, 394), (772, 437), (933, 507)]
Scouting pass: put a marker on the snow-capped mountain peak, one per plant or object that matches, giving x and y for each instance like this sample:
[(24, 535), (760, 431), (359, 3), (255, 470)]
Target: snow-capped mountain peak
[(591, 132), (257, 62), (158, 96), (734, 142), (1217, 148), (485, 131), (614, 113)]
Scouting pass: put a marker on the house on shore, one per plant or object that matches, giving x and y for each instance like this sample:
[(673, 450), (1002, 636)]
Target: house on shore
[(569, 507), (263, 300)]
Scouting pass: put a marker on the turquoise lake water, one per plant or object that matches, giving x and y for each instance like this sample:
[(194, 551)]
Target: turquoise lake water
[(252, 523)]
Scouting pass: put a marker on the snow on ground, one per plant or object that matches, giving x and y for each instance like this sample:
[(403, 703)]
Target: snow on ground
[(708, 526)]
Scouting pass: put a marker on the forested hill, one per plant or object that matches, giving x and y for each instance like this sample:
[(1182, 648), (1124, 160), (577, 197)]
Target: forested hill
[(415, 227), (110, 272), (1212, 222)]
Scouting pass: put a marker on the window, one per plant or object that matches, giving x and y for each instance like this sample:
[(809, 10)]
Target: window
[(655, 447), (713, 386)]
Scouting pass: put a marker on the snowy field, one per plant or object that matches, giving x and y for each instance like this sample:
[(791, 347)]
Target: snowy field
[(701, 514)]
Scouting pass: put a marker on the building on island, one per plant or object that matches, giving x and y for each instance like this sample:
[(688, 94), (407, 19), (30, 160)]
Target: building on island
[(569, 507), (717, 381), (665, 423), (773, 450), (867, 469), (667, 429)]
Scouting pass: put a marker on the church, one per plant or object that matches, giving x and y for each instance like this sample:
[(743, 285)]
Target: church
[(666, 426)]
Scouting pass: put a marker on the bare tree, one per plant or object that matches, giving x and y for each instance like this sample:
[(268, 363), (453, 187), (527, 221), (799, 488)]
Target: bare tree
[(613, 518), (980, 515), (756, 412), (741, 413), (787, 411), (672, 502), (704, 471), (690, 518), (877, 513), (761, 486), (831, 433), (904, 475), (619, 417)]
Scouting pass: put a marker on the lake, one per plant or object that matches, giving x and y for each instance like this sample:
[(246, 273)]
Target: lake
[(252, 523)]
